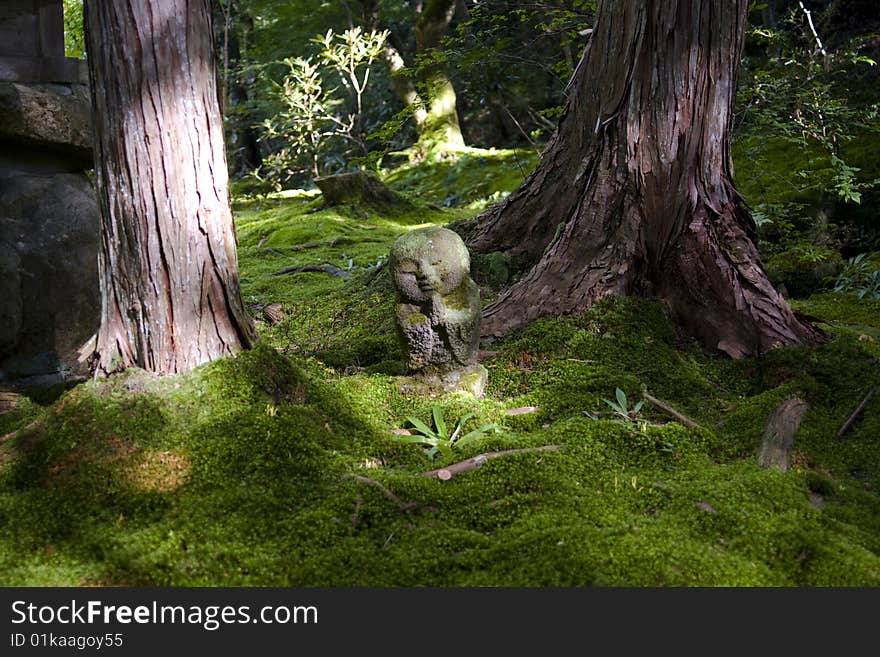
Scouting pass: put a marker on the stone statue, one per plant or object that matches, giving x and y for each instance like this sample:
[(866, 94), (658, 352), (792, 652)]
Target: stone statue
[(438, 309)]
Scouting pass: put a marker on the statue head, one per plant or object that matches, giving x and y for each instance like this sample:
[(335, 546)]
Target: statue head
[(426, 261)]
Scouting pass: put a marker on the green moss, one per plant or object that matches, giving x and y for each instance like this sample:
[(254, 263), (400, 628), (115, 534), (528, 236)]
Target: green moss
[(472, 179), (459, 299), (491, 269), (804, 270), (417, 318), (842, 310), (242, 473)]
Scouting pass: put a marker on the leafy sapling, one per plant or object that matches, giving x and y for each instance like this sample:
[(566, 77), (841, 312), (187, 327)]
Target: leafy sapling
[(439, 440), (621, 408)]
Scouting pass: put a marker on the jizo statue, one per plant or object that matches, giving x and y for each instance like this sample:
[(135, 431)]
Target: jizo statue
[(438, 305)]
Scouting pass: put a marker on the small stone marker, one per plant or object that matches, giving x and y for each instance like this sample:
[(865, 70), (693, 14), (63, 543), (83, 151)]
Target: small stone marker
[(779, 432), (438, 311)]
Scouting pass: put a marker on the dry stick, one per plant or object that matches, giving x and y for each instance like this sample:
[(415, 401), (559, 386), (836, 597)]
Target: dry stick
[(325, 268), (13, 434), (461, 467), (314, 245), (779, 433), (404, 506), (813, 29), (855, 414), (666, 408), (355, 516)]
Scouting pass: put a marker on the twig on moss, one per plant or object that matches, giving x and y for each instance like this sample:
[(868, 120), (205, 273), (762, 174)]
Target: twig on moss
[(356, 515), (447, 473), (13, 434), (314, 245), (666, 408), (855, 414), (523, 410), (403, 506), (326, 268)]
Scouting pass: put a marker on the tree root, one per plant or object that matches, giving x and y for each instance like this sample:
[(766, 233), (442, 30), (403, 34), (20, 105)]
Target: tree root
[(666, 408), (851, 420), (401, 505), (326, 268), (12, 434), (448, 472)]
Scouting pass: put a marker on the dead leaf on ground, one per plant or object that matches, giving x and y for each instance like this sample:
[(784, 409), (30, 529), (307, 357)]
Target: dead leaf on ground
[(522, 410)]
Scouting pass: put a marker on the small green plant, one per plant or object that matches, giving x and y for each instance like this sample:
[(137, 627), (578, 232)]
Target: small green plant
[(621, 407), (440, 441), (314, 115), (74, 31), (860, 278), (812, 254)]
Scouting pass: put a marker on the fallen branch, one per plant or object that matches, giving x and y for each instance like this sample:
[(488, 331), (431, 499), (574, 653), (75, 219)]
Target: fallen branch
[(13, 434), (326, 268), (447, 473), (403, 506), (314, 245), (855, 414), (523, 410), (779, 433), (666, 408), (356, 515)]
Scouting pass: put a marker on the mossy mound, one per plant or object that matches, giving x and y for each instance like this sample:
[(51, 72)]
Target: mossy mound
[(804, 270), (279, 467), (243, 473)]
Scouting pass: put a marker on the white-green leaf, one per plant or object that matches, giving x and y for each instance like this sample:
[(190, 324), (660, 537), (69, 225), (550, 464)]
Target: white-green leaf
[(438, 421), (421, 426), (462, 421)]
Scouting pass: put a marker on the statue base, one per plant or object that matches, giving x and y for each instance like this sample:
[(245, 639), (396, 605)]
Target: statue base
[(471, 379)]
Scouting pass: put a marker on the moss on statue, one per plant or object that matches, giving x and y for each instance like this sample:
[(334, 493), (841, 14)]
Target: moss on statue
[(438, 310)]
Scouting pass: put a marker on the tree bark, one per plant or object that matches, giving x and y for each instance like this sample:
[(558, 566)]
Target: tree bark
[(168, 262), (441, 123), (779, 433), (435, 111), (402, 84), (634, 194)]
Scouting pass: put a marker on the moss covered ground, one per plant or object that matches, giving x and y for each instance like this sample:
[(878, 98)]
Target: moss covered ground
[(245, 472)]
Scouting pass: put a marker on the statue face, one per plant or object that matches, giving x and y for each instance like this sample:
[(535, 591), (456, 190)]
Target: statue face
[(427, 262)]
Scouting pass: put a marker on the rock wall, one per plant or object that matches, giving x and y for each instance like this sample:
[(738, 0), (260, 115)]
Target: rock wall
[(49, 230)]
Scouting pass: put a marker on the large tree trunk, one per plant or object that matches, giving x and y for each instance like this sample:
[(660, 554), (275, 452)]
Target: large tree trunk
[(441, 123), (168, 263), (403, 85), (634, 194), (435, 114)]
